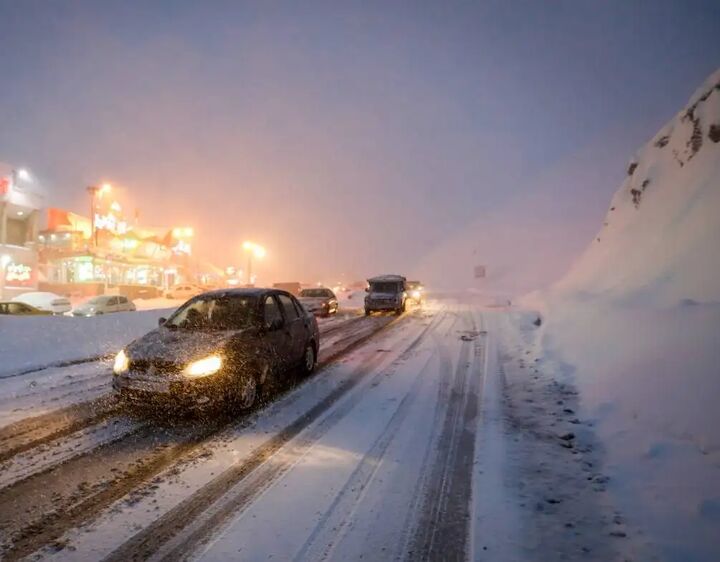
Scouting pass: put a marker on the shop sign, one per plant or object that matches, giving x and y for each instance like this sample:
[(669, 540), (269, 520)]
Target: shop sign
[(18, 275)]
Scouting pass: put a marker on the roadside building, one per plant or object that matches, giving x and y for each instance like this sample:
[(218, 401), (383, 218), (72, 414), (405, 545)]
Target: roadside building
[(21, 199), (80, 256)]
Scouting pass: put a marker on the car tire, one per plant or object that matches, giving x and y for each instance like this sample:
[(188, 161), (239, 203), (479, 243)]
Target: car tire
[(309, 360), (367, 312)]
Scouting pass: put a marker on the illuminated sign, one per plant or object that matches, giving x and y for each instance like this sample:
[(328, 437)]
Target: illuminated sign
[(112, 223), (18, 275)]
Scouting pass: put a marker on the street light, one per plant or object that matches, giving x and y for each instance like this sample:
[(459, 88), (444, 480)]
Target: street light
[(253, 250)]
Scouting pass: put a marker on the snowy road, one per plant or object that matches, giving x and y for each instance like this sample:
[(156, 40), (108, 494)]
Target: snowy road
[(375, 457)]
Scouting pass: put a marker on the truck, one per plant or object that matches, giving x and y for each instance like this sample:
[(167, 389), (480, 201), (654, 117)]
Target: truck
[(386, 293)]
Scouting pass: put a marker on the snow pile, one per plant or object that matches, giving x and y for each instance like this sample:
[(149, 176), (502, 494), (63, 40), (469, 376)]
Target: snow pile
[(36, 341), (635, 323)]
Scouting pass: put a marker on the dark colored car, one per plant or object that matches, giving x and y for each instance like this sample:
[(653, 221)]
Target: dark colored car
[(319, 301), (222, 346), (21, 309)]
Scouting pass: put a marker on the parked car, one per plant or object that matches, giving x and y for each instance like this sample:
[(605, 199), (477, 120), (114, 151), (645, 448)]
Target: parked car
[(386, 292), (224, 346), (183, 291), (21, 309), (319, 301), (49, 302), (104, 304), (415, 292)]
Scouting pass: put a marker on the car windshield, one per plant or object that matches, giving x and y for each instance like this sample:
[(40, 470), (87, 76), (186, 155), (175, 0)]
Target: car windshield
[(213, 313), (384, 287), (98, 300), (315, 293)]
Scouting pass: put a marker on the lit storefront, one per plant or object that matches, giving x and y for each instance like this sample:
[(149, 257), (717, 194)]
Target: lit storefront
[(20, 204), (114, 255)]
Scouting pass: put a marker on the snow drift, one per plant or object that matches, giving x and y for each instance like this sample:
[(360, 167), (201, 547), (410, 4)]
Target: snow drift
[(635, 324)]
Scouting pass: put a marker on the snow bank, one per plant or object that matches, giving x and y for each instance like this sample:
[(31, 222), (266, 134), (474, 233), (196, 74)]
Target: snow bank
[(30, 342), (635, 325)]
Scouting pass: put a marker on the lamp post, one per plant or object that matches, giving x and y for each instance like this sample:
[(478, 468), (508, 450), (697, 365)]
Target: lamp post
[(253, 251)]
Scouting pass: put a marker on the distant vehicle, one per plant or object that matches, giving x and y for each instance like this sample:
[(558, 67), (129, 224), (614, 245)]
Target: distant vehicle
[(21, 309), (319, 301), (386, 292), (104, 304), (292, 287), (49, 302), (415, 292), (183, 291), (225, 346)]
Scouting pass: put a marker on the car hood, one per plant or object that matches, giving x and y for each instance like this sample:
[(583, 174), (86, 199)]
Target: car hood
[(178, 346)]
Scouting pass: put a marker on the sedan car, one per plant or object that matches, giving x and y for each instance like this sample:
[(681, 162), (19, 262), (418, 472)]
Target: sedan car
[(183, 291), (49, 302), (321, 302), (224, 346), (21, 309), (104, 304)]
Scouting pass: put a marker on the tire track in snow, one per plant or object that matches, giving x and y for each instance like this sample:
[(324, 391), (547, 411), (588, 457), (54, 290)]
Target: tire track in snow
[(31, 432), (43, 458), (334, 523), (442, 531), (190, 523)]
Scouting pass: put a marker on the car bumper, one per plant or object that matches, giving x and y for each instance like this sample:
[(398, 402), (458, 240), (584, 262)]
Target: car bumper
[(169, 394), (381, 306)]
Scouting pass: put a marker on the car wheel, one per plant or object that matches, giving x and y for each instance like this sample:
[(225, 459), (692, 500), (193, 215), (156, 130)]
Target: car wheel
[(367, 312), (309, 359), (247, 393)]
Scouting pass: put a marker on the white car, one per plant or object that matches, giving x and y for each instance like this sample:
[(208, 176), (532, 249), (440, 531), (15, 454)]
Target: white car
[(49, 302), (183, 291), (104, 304)]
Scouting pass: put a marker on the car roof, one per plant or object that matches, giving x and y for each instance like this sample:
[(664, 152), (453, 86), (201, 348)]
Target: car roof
[(245, 291), (381, 278)]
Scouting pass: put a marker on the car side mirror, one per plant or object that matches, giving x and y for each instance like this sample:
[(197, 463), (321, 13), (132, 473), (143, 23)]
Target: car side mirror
[(161, 320)]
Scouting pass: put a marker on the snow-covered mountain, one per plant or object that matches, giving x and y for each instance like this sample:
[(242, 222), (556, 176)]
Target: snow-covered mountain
[(661, 236)]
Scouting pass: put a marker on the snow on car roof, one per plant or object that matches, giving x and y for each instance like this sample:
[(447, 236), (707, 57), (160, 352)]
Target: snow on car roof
[(390, 277)]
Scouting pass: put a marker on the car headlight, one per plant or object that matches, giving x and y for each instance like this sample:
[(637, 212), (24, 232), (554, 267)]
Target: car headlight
[(122, 363), (416, 294), (203, 367)]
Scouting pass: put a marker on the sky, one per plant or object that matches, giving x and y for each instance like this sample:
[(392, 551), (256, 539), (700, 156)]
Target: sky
[(352, 138)]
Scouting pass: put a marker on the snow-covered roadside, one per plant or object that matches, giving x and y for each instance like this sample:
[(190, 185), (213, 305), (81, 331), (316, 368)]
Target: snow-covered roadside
[(634, 327), (37, 341), (648, 381)]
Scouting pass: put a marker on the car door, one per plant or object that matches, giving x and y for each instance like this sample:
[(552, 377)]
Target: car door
[(296, 328), (277, 336)]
